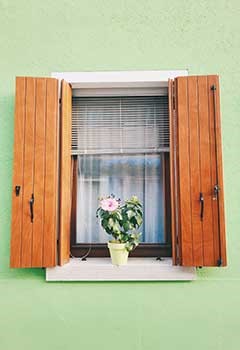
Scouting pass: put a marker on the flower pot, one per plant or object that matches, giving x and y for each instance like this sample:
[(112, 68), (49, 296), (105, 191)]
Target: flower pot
[(118, 253)]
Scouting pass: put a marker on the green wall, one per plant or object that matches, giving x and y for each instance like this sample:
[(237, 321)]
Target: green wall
[(39, 37)]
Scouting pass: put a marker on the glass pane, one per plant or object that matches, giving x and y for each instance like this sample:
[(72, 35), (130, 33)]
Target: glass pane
[(123, 175)]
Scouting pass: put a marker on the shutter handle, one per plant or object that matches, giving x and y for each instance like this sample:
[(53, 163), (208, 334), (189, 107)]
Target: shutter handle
[(201, 200), (31, 202)]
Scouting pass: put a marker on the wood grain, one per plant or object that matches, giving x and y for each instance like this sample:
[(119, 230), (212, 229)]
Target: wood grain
[(51, 175), (33, 243), (28, 172), (39, 173), (185, 209), (194, 169), (205, 171), (198, 151), (65, 173)]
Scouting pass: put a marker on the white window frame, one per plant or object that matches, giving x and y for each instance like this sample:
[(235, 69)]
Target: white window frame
[(119, 79), (107, 83)]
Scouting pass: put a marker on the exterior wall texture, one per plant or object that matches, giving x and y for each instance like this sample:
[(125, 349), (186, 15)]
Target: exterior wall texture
[(39, 37)]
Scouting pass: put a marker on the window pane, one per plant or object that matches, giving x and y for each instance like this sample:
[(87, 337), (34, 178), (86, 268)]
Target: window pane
[(123, 175)]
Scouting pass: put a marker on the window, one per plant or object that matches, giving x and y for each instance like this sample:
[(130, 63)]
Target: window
[(43, 181), (121, 145)]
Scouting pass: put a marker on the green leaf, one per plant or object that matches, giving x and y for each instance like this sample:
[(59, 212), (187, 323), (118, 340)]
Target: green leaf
[(139, 220), (130, 214)]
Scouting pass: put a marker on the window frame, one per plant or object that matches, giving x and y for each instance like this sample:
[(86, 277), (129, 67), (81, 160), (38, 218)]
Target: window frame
[(119, 79), (143, 249), (110, 83)]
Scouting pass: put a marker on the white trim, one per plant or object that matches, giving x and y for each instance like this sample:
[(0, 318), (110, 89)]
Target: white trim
[(137, 269), (101, 269), (119, 79)]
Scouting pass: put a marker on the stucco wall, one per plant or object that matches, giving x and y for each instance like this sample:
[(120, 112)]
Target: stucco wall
[(38, 37)]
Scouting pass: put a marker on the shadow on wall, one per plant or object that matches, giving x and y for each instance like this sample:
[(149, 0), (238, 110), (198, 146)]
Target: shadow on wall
[(6, 158)]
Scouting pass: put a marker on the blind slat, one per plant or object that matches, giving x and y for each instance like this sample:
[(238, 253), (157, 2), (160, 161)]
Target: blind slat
[(120, 124)]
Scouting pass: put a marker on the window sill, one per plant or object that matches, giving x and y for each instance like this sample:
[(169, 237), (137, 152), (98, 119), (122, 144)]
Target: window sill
[(137, 269)]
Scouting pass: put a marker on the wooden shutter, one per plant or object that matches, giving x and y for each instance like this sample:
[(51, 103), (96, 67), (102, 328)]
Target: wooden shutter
[(65, 172), (198, 228), (35, 173)]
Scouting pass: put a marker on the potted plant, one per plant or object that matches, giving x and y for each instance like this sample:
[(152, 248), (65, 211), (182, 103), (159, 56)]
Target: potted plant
[(121, 221)]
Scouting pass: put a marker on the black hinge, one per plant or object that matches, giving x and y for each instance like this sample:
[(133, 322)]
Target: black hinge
[(173, 98), (213, 87), (219, 262), (60, 100)]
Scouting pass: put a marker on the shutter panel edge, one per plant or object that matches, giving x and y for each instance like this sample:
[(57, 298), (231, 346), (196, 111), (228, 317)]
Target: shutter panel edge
[(65, 173)]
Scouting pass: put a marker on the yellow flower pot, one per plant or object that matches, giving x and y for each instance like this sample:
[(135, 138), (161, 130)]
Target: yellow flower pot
[(118, 253)]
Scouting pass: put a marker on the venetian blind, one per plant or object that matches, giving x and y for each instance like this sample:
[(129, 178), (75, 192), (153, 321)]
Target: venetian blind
[(104, 125)]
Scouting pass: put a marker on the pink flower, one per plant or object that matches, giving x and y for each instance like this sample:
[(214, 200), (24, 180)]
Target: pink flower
[(109, 204)]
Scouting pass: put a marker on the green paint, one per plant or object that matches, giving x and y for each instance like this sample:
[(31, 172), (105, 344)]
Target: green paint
[(38, 37)]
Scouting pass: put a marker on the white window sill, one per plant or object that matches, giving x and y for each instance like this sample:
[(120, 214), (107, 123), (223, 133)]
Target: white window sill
[(137, 269)]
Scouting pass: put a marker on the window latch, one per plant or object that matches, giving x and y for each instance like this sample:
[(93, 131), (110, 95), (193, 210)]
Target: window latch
[(216, 190), (17, 190)]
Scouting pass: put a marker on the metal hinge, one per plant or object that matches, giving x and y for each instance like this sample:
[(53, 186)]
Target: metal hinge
[(60, 101), (216, 189), (173, 98)]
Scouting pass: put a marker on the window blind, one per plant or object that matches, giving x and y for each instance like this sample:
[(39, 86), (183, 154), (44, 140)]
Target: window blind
[(105, 125)]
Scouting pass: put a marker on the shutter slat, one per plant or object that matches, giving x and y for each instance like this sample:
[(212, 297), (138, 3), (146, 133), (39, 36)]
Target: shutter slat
[(39, 171), (28, 172), (51, 175), (119, 124), (184, 173), (65, 173), (195, 179), (206, 173)]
